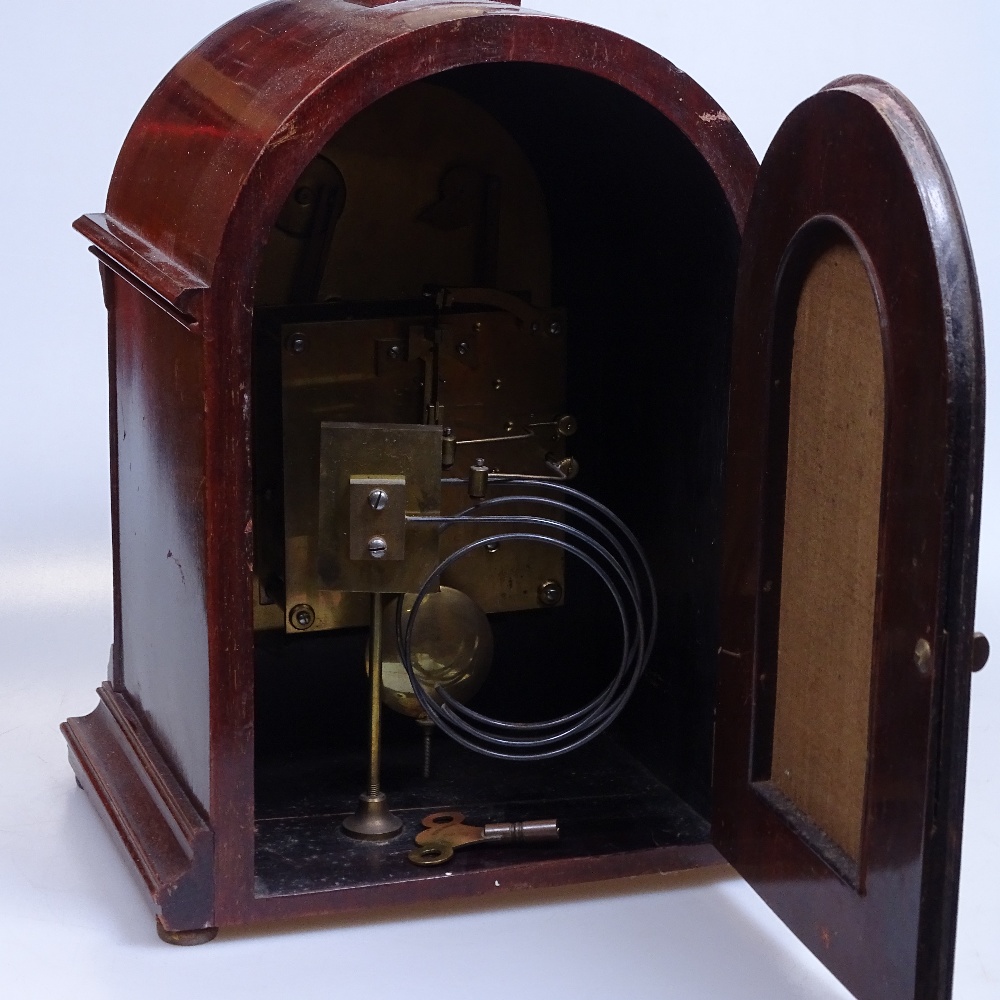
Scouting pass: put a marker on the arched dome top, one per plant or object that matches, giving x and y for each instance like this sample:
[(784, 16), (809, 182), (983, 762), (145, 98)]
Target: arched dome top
[(202, 173)]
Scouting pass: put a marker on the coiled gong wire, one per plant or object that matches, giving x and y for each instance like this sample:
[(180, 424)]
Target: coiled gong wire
[(596, 536)]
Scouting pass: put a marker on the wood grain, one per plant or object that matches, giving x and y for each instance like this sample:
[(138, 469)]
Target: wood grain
[(196, 191), (857, 158)]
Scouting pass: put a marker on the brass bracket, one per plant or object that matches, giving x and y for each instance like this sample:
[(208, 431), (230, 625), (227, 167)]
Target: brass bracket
[(370, 477)]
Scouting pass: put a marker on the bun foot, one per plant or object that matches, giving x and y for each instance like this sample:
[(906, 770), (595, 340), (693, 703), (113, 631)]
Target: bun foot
[(200, 936)]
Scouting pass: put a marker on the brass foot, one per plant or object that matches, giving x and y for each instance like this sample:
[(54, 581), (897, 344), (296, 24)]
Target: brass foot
[(200, 936), (372, 821)]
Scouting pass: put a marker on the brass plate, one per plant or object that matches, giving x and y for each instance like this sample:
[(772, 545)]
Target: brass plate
[(438, 192), (498, 377), (377, 452), (267, 614), (502, 378), (430, 190), (346, 370)]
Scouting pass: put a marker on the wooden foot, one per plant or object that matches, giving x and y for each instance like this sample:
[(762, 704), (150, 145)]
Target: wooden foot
[(146, 809), (200, 936)]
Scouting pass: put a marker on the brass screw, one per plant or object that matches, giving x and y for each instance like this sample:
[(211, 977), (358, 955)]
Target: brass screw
[(302, 617)]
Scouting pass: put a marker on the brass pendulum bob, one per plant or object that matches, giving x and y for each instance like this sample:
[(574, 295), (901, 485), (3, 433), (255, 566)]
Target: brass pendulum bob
[(372, 819), (451, 650)]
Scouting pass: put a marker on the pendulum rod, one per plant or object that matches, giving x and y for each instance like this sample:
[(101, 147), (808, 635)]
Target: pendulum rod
[(375, 750), (372, 820)]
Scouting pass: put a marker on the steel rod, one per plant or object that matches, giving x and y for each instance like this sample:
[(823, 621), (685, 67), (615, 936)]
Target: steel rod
[(375, 758)]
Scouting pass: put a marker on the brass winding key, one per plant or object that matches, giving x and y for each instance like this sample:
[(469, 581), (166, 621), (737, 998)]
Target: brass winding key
[(446, 831)]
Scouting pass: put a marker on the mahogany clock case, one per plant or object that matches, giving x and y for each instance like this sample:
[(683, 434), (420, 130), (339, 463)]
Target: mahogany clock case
[(222, 757)]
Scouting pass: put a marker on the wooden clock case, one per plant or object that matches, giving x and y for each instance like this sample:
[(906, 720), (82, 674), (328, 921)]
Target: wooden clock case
[(778, 376)]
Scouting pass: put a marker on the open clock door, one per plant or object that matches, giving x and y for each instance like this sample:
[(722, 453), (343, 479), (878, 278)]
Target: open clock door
[(852, 518)]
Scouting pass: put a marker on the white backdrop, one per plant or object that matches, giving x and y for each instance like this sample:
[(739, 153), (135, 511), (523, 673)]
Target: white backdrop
[(73, 77)]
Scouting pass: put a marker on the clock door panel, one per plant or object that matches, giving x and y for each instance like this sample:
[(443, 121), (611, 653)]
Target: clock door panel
[(854, 470), (811, 761)]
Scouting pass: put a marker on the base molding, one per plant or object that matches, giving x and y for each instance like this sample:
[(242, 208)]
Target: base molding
[(155, 823)]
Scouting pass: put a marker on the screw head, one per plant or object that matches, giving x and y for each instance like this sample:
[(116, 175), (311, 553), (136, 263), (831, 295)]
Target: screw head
[(297, 343), (377, 547), (555, 329), (497, 383), (462, 348), (378, 498), (566, 425), (550, 593), (395, 352), (491, 547), (302, 617)]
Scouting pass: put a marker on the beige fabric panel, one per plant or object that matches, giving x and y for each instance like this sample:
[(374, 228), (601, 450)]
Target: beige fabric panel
[(830, 553)]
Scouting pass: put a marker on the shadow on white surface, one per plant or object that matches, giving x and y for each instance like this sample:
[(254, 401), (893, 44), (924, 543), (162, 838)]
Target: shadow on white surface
[(74, 918)]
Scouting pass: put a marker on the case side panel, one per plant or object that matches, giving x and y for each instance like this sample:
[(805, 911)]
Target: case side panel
[(161, 527), (115, 659)]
